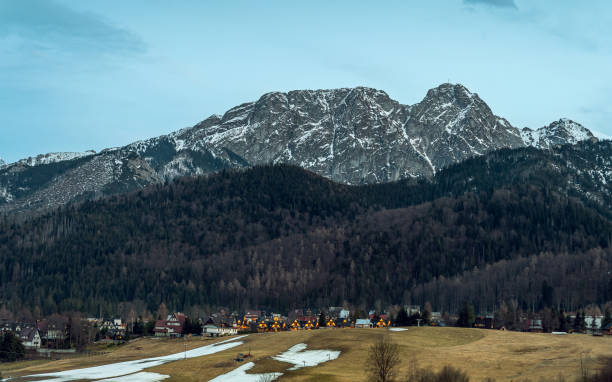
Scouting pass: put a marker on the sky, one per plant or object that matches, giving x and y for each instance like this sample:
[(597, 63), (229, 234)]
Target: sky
[(78, 75)]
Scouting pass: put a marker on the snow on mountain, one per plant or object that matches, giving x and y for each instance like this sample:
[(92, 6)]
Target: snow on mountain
[(53, 158), (350, 135), (560, 132), (2, 162), (357, 135)]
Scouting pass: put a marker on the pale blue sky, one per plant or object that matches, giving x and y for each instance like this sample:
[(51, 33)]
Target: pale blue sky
[(78, 75)]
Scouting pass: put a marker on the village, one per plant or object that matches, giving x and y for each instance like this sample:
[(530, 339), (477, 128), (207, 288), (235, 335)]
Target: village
[(59, 336)]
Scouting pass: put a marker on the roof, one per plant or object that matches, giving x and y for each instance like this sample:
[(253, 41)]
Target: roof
[(28, 334), (180, 317)]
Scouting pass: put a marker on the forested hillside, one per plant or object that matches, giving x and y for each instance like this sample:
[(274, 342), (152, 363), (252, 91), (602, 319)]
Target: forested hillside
[(278, 237)]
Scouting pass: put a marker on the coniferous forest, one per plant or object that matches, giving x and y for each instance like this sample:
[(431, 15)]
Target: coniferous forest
[(524, 227)]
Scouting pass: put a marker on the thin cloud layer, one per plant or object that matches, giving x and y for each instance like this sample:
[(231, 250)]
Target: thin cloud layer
[(52, 25), (494, 3)]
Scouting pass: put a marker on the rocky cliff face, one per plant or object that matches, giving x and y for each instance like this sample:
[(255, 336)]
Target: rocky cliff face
[(355, 136)]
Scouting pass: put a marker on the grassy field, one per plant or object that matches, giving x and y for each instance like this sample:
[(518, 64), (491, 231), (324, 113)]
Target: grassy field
[(504, 356)]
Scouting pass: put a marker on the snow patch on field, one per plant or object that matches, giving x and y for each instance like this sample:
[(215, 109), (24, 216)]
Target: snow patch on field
[(397, 329), (239, 375), (300, 357), (296, 355), (130, 367)]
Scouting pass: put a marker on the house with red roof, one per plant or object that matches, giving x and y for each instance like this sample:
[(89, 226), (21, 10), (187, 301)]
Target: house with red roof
[(172, 326)]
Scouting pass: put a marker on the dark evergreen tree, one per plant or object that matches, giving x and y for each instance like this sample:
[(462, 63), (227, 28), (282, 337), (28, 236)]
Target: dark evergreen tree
[(149, 326), (11, 348), (607, 320), (138, 327), (402, 318), (322, 322), (426, 317), (466, 316), (578, 322), (562, 326), (547, 295)]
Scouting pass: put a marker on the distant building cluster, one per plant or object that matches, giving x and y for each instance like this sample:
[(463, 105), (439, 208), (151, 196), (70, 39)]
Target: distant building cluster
[(58, 332)]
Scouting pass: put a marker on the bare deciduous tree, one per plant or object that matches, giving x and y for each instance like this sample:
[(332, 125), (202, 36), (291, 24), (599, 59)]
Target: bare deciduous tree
[(382, 361), (268, 377)]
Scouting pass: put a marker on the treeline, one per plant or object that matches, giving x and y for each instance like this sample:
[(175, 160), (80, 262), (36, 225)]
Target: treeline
[(566, 281), (279, 237)]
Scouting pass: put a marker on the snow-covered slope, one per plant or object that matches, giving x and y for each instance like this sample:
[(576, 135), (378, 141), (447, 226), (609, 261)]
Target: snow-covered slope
[(560, 132), (54, 157), (351, 135)]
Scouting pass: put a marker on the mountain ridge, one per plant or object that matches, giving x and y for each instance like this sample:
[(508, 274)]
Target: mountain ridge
[(350, 135)]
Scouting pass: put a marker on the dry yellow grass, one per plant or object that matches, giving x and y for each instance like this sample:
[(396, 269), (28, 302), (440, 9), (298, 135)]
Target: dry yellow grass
[(504, 356), (137, 349)]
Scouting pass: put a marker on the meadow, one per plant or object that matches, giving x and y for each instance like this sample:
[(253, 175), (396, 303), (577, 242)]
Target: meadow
[(501, 355)]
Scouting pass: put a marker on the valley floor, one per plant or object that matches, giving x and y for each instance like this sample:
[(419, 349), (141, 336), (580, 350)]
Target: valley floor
[(501, 355)]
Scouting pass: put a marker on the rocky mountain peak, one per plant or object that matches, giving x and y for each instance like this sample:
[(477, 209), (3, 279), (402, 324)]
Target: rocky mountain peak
[(451, 93), (559, 132)]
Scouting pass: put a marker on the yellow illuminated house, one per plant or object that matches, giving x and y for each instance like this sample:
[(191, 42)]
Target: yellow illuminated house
[(295, 325)]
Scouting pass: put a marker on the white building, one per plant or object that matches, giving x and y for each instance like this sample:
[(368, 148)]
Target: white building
[(216, 331), (363, 323), (588, 320), (30, 338)]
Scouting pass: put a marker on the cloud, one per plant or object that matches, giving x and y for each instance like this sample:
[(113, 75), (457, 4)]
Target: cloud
[(50, 25), (493, 3)]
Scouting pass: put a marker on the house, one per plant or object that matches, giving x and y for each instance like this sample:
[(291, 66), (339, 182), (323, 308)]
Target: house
[(412, 309), (309, 325), (52, 332), (436, 319), (221, 321), (382, 324), (307, 316), (593, 324), (252, 315), (171, 327), (219, 331), (363, 323), (295, 325), (114, 328), (484, 322), (113, 324), (344, 314), (533, 326), (277, 324), (30, 338)]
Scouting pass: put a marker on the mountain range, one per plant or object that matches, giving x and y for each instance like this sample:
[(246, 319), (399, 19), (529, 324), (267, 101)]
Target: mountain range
[(351, 136)]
